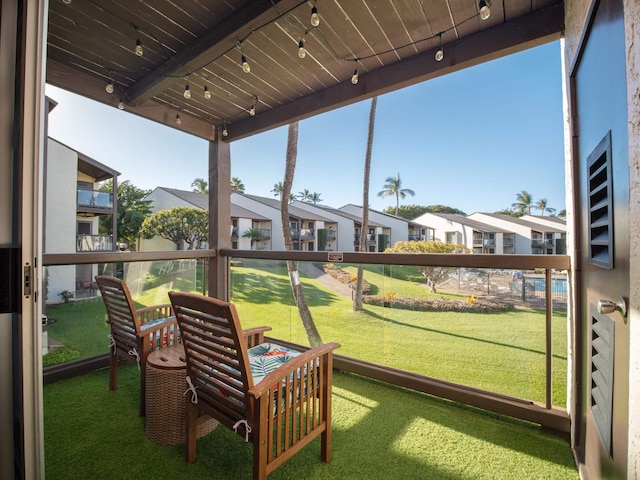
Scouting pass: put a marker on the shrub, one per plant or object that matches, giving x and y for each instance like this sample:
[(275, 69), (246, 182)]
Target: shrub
[(67, 295), (439, 305)]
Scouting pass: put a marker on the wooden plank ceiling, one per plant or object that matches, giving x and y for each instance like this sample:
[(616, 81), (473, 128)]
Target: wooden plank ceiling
[(200, 43)]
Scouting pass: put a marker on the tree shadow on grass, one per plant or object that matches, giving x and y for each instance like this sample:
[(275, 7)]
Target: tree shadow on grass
[(457, 335), (275, 288)]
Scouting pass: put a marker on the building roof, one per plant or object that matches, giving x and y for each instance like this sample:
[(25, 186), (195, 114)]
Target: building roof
[(475, 224), (201, 200), (520, 221), (91, 167), (294, 211), (395, 217), (356, 219)]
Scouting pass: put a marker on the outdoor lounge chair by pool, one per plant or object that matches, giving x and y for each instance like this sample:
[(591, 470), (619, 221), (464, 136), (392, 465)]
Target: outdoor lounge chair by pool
[(134, 332), (274, 397)]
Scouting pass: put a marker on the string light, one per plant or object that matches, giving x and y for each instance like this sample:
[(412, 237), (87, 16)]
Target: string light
[(252, 110), (301, 51), (207, 93), (121, 104), (66, 2), (246, 68), (187, 92), (225, 132), (139, 50), (109, 87), (178, 119), (485, 12), (354, 77), (440, 52), (315, 18)]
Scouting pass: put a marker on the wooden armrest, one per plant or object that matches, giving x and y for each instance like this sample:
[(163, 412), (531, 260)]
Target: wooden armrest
[(254, 336), (291, 366)]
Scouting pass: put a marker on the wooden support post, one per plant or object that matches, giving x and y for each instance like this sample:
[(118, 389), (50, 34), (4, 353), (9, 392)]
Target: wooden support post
[(219, 215)]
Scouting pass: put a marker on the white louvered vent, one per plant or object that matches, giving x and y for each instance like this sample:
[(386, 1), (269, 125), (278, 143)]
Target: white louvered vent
[(600, 205), (602, 350)]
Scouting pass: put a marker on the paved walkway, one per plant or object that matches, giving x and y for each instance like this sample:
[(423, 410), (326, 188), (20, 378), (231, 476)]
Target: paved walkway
[(325, 279)]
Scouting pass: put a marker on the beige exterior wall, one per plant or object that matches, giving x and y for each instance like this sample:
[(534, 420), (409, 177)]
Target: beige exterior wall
[(632, 34)]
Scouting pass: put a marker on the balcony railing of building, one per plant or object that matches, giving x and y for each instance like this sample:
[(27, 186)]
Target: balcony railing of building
[(540, 243), (489, 242), (95, 199), (415, 237), (307, 234), (94, 243), (507, 242), (472, 275), (331, 234), (234, 232)]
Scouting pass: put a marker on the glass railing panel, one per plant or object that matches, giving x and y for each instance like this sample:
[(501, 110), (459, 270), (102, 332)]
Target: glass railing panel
[(469, 326), (74, 316)]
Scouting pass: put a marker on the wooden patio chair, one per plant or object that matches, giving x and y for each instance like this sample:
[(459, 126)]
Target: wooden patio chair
[(274, 397), (134, 332)]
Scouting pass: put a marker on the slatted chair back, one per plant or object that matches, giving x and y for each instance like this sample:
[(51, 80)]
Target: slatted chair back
[(277, 398), (216, 354), (134, 333)]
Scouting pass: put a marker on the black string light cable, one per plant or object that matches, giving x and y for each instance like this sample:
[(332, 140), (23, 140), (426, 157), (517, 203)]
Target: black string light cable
[(314, 20)]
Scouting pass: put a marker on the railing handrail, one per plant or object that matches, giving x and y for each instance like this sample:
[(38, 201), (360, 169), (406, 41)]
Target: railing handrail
[(488, 260), (82, 258)]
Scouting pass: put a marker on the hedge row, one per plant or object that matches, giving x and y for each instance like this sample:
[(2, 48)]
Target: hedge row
[(439, 305)]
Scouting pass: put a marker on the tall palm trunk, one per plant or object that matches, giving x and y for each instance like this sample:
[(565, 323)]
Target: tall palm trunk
[(357, 301), (298, 294)]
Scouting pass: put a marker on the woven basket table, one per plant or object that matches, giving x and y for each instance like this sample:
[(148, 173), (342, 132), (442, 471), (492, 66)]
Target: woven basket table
[(165, 402)]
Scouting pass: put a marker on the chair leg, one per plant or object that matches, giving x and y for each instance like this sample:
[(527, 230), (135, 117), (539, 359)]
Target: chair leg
[(190, 433), (143, 388), (113, 371)]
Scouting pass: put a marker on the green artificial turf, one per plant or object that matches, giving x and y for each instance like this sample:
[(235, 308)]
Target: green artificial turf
[(379, 432)]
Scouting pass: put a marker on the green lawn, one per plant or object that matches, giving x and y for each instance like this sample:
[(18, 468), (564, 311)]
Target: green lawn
[(501, 352)]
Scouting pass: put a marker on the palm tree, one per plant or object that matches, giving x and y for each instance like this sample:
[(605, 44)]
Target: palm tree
[(393, 186), (236, 185), (200, 185), (524, 202), (357, 300), (277, 190), (254, 234), (292, 266), (304, 196), (542, 206), (316, 198)]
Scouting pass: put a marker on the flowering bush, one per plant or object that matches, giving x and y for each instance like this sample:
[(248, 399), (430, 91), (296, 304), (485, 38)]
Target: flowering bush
[(346, 277), (439, 305)]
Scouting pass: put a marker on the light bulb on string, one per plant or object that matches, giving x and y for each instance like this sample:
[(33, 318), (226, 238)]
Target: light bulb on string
[(485, 12), (207, 93), (252, 110), (315, 18), (225, 132), (246, 68), (66, 2), (139, 50), (301, 51), (121, 104), (178, 119), (354, 77), (109, 87), (439, 53), (187, 92)]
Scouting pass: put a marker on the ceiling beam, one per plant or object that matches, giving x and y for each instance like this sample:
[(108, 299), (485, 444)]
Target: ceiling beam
[(525, 32), (207, 47), (88, 86)]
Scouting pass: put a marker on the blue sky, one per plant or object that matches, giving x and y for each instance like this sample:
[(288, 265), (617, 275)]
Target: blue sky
[(470, 140)]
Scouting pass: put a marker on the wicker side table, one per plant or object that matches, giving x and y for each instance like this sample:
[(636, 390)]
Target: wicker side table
[(165, 403)]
